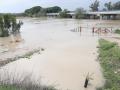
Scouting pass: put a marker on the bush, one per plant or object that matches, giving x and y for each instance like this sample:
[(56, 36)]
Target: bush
[(8, 88), (9, 25), (117, 31), (64, 14), (80, 13)]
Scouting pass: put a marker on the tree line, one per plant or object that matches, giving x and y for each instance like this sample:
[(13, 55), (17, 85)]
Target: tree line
[(39, 11), (107, 6), (79, 12)]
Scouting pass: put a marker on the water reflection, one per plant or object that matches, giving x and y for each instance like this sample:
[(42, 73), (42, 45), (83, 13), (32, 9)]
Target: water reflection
[(11, 42)]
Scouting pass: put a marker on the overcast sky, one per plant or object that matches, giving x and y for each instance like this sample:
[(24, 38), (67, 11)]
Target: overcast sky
[(16, 6)]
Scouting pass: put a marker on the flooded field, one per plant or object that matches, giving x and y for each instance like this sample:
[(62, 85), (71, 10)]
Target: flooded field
[(67, 57)]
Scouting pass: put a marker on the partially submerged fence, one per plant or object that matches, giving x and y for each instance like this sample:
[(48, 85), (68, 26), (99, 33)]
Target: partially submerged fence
[(94, 30)]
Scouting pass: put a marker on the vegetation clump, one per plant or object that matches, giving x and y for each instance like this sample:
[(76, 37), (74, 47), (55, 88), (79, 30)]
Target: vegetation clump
[(23, 82), (117, 31), (80, 13), (9, 25), (109, 56), (112, 6), (95, 6), (64, 14)]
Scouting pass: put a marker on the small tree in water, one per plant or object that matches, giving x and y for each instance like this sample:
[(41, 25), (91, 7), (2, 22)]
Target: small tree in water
[(9, 25), (79, 13)]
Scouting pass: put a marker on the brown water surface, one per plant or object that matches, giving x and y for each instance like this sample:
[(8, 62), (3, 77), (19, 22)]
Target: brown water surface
[(68, 56)]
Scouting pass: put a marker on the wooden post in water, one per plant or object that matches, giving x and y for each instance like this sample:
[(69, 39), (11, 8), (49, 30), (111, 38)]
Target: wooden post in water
[(111, 30), (93, 30), (88, 78), (86, 83), (80, 30)]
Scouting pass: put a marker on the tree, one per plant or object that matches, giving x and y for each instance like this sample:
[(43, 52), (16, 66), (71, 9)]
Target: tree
[(33, 11), (38, 11), (1, 25), (109, 6), (54, 9), (64, 14), (57, 9), (94, 6), (79, 13), (116, 6), (9, 25), (104, 9)]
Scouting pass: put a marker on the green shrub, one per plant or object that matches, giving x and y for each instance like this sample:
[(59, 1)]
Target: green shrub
[(5, 87), (9, 25), (117, 31), (64, 14)]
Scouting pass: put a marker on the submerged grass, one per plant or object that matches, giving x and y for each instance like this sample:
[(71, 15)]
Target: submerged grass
[(9, 81), (109, 56)]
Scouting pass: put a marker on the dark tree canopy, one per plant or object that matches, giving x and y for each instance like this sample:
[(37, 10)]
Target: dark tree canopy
[(54, 9), (109, 6), (116, 6), (39, 11), (95, 6), (112, 6), (33, 10)]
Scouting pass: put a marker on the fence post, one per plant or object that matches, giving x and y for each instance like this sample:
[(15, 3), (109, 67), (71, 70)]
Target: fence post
[(93, 30), (80, 29), (111, 30)]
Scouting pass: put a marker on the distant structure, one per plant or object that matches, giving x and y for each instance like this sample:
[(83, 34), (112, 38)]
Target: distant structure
[(102, 15), (107, 15), (52, 15)]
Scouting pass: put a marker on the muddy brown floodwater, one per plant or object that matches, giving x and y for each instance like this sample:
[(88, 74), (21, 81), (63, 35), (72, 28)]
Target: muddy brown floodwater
[(68, 56)]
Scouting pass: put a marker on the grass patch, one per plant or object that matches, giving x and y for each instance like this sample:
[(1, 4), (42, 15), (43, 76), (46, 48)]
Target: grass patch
[(12, 87), (109, 56), (117, 31), (6, 87)]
